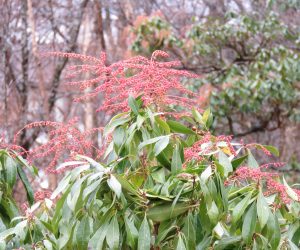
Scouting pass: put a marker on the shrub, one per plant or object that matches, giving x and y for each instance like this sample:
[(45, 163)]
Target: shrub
[(163, 183)]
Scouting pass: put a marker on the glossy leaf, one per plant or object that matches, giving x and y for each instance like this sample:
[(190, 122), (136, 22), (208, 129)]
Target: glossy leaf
[(144, 239)]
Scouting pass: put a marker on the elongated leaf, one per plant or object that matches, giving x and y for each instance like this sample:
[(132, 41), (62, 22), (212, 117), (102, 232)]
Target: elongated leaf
[(96, 242), (180, 243), (225, 162), (115, 123), (126, 185), (272, 149), (26, 184), (62, 186), (273, 231), (228, 242), (263, 210), (92, 162), (249, 223), (213, 212), (10, 171), (240, 208), (291, 193), (206, 115), (166, 212), (115, 185), (252, 163), (161, 145), (83, 233), (118, 136), (198, 117), (179, 128), (133, 105), (189, 231), (163, 124), (237, 162), (176, 164), (113, 236), (5, 234), (131, 233), (33, 170), (91, 188), (206, 174), (144, 239), (150, 141), (70, 163)]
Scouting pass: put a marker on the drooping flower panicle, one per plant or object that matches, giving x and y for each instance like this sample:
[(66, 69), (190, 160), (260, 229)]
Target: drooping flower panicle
[(64, 142)]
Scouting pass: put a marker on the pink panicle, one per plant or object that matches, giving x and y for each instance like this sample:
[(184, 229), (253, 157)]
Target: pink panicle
[(192, 153), (259, 146), (257, 175), (65, 140), (42, 195), (273, 165), (136, 76)]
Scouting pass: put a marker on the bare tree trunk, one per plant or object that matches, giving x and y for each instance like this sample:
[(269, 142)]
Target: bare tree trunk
[(39, 70), (22, 86), (108, 29), (63, 61), (100, 29)]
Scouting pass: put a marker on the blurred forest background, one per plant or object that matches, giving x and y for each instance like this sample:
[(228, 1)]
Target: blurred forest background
[(246, 53)]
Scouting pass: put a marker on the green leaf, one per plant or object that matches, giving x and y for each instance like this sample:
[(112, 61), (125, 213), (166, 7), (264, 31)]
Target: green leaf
[(207, 118), (96, 242), (249, 223), (273, 231), (176, 164), (144, 239), (115, 123), (131, 233), (113, 236), (237, 162), (163, 124), (252, 163), (115, 185), (198, 117), (213, 212), (91, 188), (180, 243), (10, 171), (291, 193), (272, 149), (161, 145), (139, 122), (119, 136), (206, 174), (206, 115), (189, 231), (26, 184), (240, 208), (126, 185), (93, 163), (167, 211), (228, 243), (133, 105), (263, 210), (83, 233), (225, 162), (159, 175), (179, 128), (150, 141), (33, 170)]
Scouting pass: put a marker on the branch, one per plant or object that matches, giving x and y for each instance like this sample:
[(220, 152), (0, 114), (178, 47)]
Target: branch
[(63, 61)]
